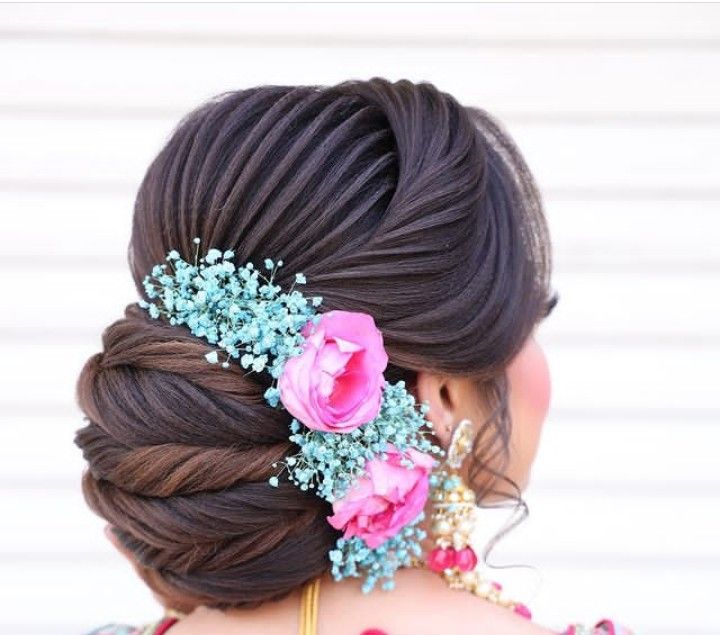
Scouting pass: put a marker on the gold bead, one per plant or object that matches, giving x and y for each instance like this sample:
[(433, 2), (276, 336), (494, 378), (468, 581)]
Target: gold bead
[(469, 579)]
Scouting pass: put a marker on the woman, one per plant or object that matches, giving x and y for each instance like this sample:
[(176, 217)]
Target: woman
[(418, 225)]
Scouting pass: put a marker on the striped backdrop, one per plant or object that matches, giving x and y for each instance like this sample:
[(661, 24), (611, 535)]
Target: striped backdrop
[(617, 110)]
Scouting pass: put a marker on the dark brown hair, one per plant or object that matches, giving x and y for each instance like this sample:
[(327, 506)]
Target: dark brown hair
[(393, 199)]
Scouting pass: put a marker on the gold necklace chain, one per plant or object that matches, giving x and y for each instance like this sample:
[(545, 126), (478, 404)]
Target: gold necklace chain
[(309, 603)]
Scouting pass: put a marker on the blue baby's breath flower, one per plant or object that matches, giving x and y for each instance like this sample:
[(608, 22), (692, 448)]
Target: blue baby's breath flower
[(356, 559), (272, 396), (259, 363), (213, 255)]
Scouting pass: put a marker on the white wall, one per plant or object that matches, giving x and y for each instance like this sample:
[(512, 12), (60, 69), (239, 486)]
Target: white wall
[(617, 109)]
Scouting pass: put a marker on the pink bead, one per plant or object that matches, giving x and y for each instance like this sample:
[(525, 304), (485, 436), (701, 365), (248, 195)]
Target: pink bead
[(522, 611), (466, 560), (373, 631), (440, 559), (496, 585)]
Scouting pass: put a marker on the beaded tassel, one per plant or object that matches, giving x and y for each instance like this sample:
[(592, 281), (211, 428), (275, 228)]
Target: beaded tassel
[(452, 524)]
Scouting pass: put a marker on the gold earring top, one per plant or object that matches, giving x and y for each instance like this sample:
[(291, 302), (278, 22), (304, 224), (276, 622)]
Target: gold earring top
[(460, 443)]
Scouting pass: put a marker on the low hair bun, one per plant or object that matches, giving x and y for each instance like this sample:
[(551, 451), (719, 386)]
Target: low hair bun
[(394, 200), (179, 454)]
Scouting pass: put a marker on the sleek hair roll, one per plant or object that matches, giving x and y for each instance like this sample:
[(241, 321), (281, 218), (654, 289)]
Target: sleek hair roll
[(393, 199)]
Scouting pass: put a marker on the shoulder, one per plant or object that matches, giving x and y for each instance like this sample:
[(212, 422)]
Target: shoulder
[(422, 603)]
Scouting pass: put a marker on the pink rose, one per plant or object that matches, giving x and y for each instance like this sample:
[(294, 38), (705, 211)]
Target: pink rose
[(385, 499), (336, 383)]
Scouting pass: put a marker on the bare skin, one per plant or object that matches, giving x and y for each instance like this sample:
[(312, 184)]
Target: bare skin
[(421, 603)]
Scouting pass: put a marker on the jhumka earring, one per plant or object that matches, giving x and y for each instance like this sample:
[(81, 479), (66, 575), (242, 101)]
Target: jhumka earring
[(454, 516)]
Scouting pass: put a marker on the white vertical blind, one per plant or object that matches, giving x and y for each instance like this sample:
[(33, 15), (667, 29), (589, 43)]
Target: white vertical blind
[(617, 110)]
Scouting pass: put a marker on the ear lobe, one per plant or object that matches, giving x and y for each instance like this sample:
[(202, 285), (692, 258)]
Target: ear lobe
[(432, 388)]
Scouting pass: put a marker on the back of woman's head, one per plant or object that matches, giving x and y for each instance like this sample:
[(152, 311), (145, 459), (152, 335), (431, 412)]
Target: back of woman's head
[(392, 199)]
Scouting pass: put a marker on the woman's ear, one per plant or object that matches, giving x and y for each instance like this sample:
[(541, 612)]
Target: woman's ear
[(451, 398)]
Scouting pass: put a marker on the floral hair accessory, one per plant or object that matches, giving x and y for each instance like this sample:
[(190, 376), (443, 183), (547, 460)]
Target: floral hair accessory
[(336, 384), (389, 496), (362, 441)]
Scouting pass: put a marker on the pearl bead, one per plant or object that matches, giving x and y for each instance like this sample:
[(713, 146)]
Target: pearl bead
[(466, 527), (484, 588), (443, 527)]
